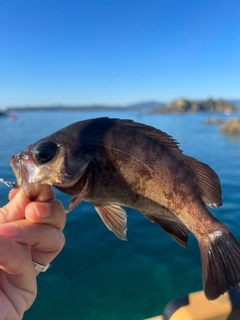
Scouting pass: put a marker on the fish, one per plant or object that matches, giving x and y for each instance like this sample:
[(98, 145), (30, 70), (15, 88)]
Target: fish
[(116, 163)]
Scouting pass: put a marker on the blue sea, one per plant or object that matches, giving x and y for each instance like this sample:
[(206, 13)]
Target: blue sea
[(98, 276)]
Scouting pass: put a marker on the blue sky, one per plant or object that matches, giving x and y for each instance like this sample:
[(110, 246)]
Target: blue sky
[(118, 52)]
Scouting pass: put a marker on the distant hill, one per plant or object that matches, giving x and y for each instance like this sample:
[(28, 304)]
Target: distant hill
[(3, 113), (145, 106), (138, 107)]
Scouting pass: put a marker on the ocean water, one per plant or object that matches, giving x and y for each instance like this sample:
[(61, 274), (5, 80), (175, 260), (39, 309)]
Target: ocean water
[(98, 276)]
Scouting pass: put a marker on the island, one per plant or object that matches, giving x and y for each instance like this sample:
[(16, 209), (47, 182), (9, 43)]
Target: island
[(193, 106)]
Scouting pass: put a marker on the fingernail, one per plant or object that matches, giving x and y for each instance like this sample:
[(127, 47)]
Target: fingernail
[(10, 230), (43, 210)]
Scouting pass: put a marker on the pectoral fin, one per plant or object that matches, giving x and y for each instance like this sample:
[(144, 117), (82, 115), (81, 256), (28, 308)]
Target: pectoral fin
[(115, 219), (77, 198), (174, 228)]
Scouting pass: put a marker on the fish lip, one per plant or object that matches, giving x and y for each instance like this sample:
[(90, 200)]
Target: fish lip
[(21, 168), (16, 167), (22, 172)]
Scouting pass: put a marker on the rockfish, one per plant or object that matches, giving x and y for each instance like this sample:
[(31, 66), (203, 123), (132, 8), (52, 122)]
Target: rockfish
[(112, 163)]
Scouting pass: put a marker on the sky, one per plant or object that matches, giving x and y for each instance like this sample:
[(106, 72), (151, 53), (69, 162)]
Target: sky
[(118, 52)]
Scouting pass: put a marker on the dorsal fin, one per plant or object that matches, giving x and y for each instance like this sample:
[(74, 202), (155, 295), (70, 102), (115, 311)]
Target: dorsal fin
[(207, 180), (152, 132)]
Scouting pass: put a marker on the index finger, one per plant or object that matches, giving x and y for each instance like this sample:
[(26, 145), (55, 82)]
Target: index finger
[(15, 209)]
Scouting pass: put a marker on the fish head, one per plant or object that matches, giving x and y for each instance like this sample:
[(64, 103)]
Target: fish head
[(39, 163), (50, 162)]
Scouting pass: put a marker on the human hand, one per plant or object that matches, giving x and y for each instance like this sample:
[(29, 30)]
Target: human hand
[(29, 231)]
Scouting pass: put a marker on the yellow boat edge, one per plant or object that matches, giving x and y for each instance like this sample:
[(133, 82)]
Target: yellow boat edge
[(195, 306)]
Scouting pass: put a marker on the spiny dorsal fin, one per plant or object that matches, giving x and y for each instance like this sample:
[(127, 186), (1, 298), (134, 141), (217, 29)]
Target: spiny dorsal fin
[(207, 180), (115, 219), (152, 132), (174, 228)]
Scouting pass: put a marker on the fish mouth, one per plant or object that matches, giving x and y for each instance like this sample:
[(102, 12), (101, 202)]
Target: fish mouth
[(25, 172), (24, 169)]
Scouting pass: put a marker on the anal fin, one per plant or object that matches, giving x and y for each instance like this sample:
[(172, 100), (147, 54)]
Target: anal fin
[(174, 228), (115, 219)]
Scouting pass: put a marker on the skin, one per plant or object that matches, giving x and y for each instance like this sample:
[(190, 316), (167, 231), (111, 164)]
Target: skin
[(28, 231)]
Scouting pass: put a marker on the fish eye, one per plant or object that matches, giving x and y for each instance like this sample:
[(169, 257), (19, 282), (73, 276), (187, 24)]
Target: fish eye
[(45, 152)]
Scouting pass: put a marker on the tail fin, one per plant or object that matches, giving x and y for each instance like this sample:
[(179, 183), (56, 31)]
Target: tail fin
[(220, 265)]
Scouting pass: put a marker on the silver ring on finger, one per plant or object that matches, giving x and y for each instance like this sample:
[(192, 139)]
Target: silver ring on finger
[(39, 267)]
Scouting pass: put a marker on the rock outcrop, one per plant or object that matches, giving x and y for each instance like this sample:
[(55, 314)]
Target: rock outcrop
[(231, 126), (213, 121)]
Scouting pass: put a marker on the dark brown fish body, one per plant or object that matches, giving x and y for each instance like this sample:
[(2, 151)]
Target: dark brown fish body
[(113, 163)]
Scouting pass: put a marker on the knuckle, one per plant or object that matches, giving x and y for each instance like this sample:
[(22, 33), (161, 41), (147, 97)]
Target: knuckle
[(58, 241), (61, 241), (4, 214)]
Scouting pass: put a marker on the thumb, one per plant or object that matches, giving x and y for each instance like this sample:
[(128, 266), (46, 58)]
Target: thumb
[(41, 192)]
